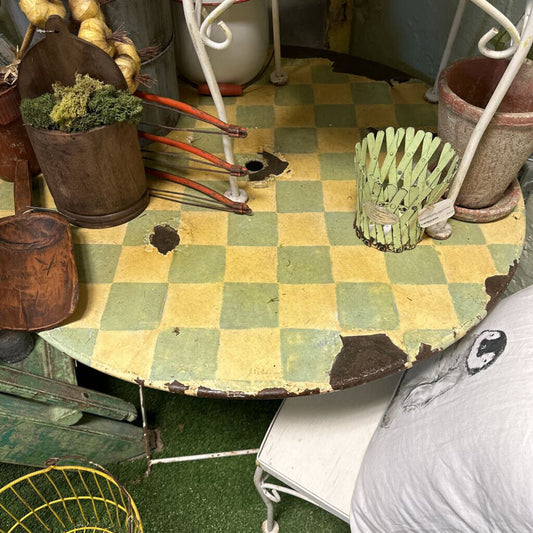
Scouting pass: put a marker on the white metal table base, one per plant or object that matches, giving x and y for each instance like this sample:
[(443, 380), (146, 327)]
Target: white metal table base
[(183, 458)]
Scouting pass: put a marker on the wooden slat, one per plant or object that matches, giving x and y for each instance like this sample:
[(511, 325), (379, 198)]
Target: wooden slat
[(46, 361), (33, 440), (55, 393)]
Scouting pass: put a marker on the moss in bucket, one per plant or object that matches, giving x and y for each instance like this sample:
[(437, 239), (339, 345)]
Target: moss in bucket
[(88, 104)]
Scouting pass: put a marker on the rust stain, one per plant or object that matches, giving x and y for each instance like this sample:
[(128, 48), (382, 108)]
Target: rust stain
[(206, 392), (365, 358), (277, 393), (496, 285), (272, 393), (176, 387), (426, 351)]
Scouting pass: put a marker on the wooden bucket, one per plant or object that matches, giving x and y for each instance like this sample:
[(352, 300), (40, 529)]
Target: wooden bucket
[(96, 178)]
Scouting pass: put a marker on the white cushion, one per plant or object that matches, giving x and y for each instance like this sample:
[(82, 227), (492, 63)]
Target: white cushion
[(454, 451)]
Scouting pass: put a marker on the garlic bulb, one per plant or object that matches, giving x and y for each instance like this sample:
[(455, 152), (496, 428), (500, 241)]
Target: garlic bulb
[(128, 49), (39, 11), (129, 70), (85, 9), (96, 32)]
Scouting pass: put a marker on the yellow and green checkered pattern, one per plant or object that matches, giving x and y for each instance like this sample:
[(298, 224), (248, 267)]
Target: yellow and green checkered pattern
[(247, 304)]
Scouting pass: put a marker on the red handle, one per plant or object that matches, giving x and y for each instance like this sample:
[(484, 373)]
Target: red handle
[(230, 129), (234, 170), (238, 207)]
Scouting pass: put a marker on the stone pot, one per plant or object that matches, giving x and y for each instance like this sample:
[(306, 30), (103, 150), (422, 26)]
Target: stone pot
[(465, 88), (243, 59), (14, 142)]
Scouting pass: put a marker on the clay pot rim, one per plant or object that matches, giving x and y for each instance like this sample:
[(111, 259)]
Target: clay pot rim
[(59, 133), (461, 106)]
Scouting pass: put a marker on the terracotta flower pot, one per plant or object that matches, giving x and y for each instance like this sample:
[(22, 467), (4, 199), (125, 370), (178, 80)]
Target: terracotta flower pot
[(14, 142), (465, 88)]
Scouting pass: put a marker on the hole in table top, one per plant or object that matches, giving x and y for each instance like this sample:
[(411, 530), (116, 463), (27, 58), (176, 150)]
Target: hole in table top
[(254, 165), (165, 238)]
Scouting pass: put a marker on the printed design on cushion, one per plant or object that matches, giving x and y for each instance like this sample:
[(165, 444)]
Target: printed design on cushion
[(467, 359)]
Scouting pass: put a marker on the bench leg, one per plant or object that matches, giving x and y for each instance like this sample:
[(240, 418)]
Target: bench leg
[(269, 525)]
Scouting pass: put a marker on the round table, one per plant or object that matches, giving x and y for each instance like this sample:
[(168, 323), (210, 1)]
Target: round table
[(287, 301), (278, 304)]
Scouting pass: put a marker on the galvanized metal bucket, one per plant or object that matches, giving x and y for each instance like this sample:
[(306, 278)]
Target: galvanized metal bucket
[(149, 24), (398, 173), (162, 69)]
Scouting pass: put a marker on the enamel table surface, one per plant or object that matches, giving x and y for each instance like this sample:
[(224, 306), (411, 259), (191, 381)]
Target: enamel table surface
[(287, 301)]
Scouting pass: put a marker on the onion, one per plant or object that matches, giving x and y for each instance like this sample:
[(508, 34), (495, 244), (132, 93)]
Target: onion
[(39, 11), (85, 9), (129, 70), (127, 48), (96, 32)]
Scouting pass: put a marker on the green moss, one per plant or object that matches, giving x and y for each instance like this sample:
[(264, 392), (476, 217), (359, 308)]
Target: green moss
[(108, 106), (71, 102), (36, 111), (88, 104)]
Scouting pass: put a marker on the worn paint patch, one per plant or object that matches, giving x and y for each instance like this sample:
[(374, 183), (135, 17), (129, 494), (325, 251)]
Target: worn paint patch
[(424, 352), (276, 393), (365, 358), (264, 166), (206, 392), (495, 285), (176, 387)]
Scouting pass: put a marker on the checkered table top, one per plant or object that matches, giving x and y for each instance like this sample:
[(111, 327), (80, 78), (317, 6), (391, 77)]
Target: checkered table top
[(287, 301)]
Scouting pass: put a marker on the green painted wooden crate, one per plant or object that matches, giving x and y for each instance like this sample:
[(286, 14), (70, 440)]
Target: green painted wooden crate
[(399, 172)]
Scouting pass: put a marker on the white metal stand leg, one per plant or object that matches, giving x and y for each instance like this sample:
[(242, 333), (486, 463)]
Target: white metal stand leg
[(269, 525), (525, 41), (234, 193), (269, 493), (432, 94), (279, 76)]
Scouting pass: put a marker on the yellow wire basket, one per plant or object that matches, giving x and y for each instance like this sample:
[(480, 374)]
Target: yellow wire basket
[(68, 499)]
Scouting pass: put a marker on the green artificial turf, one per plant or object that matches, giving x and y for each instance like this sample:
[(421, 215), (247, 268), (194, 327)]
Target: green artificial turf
[(215, 495)]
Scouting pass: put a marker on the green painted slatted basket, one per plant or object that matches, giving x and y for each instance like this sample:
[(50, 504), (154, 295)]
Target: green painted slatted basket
[(399, 172)]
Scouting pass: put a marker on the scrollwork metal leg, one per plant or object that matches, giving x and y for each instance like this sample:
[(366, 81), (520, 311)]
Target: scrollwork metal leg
[(269, 525), (234, 193)]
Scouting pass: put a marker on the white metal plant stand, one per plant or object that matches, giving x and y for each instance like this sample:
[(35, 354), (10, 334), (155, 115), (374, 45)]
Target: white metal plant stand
[(200, 35), (521, 42), (279, 76)]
